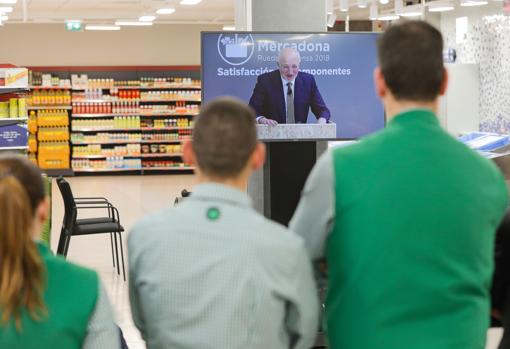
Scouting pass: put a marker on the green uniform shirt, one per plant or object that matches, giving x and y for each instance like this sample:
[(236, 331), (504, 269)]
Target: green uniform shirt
[(406, 219), (79, 315)]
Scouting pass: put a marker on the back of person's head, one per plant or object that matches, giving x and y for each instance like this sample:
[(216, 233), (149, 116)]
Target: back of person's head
[(21, 269), (224, 137), (411, 60)]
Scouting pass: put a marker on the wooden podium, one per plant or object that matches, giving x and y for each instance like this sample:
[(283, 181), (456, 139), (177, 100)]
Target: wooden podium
[(292, 150)]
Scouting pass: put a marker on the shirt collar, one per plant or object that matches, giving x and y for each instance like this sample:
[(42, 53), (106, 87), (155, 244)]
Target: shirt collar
[(415, 115), (220, 192), (284, 82), (43, 249)]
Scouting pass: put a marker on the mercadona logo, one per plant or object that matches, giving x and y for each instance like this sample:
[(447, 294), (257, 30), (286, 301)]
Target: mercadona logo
[(235, 49)]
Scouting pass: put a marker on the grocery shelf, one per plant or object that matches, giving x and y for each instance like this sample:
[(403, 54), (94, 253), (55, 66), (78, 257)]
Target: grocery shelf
[(133, 114), (89, 169), (49, 88), (132, 142), (168, 100), (102, 115), (14, 148), (131, 129), (160, 155), (104, 100), (169, 87), (172, 168), (105, 156), (44, 107), (13, 119)]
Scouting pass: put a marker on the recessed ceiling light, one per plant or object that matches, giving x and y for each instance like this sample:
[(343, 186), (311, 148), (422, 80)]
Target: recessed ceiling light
[(440, 6), (384, 2), (147, 18), (133, 23), (5, 9), (190, 2), (473, 3), (101, 27), (8, 2), (229, 28), (165, 11), (389, 17)]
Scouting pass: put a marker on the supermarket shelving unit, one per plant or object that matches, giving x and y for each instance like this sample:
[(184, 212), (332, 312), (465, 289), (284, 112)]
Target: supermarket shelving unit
[(154, 145), (12, 130)]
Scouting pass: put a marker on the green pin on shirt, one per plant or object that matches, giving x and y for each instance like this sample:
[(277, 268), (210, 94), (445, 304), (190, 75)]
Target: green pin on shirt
[(213, 214)]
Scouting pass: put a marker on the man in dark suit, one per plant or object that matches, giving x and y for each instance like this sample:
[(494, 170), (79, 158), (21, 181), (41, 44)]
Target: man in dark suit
[(286, 95)]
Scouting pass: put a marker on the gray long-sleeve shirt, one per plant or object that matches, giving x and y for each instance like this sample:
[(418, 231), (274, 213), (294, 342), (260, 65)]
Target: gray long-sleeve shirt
[(213, 273)]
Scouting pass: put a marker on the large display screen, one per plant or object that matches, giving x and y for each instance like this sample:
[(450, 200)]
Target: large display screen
[(341, 64)]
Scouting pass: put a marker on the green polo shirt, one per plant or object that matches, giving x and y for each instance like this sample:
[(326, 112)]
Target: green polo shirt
[(78, 312), (406, 219)]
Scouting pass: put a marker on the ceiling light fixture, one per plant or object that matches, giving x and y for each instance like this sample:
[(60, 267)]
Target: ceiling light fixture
[(469, 3), (362, 3), (165, 11), (147, 18), (190, 2), (411, 11), (132, 23), (229, 28), (399, 5), (344, 5), (101, 27), (388, 17), (5, 9), (331, 20), (373, 12), (440, 6), (8, 2), (384, 2)]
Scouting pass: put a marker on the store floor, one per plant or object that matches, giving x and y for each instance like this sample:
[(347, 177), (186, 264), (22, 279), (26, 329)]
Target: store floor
[(134, 196)]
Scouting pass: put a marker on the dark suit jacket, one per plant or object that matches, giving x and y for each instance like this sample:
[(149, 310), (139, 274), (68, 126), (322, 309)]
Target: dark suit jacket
[(268, 99)]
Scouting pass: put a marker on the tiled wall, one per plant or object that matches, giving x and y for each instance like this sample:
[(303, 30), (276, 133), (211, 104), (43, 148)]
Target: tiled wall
[(487, 44)]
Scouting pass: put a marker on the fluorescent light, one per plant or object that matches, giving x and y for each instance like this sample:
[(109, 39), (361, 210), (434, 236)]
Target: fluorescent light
[(473, 3), (5, 9), (8, 2), (388, 17), (165, 11), (373, 12), (229, 28), (147, 18), (441, 8), (410, 14), (190, 2), (362, 3), (133, 23), (384, 2), (344, 5), (101, 27)]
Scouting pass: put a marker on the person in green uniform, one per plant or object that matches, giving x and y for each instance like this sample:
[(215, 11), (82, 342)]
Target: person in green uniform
[(45, 302), (406, 218)]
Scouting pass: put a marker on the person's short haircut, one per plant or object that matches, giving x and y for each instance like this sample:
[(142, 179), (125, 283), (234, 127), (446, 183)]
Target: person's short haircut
[(224, 137), (411, 60)]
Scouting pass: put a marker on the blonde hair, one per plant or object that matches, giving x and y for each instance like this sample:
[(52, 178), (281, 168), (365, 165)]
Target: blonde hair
[(22, 273)]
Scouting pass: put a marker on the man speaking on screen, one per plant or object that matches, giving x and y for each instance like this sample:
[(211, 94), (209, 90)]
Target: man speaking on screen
[(286, 95)]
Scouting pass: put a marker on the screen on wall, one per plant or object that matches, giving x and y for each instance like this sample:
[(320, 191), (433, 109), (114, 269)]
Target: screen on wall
[(335, 72)]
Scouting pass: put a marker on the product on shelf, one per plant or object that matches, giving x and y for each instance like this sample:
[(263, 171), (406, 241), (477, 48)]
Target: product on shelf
[(13, 108), (52, 117), (109, 163), (118, 122), (39, 79), (53, 155), (169, 82), (170, 96), (49, 98)]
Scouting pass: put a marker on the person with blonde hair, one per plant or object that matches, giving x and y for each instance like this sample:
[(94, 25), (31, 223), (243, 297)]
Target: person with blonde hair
[(45, 302)]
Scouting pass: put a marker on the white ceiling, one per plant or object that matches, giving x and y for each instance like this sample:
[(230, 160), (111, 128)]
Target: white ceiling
[(106, 11)]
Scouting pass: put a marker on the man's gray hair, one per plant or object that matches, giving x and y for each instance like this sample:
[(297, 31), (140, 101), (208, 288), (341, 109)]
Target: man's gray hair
[(288, 51)]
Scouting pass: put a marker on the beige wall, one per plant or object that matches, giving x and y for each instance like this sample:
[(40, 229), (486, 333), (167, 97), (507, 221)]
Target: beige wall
[(52, 45)]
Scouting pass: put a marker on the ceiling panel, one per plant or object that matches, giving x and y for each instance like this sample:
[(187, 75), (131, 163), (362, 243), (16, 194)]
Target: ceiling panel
[(102, 11)]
